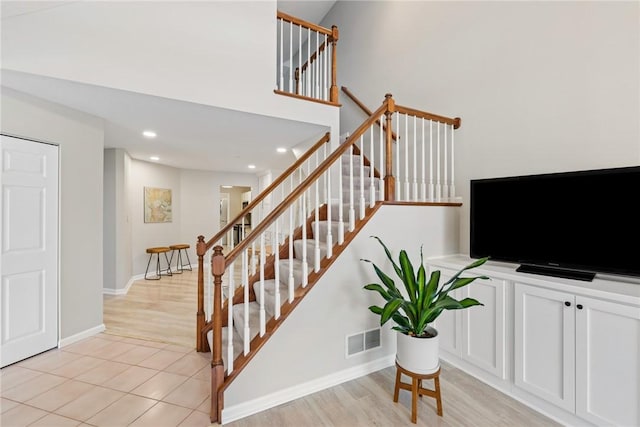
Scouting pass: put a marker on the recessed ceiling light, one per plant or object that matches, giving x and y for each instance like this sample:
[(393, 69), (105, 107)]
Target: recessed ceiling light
[(227, 186), (252, 166), (149, 134), (154, 158), (281, 150)]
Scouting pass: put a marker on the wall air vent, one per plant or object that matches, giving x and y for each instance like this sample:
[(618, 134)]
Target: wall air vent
[(362, 341)]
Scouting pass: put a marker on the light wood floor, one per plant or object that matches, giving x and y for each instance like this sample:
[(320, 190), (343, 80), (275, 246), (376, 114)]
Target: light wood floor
[(164, 311), (368, 401), (160, 310)]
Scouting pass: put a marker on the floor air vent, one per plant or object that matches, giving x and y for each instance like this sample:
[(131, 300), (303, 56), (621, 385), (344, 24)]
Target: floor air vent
[(363, 341)]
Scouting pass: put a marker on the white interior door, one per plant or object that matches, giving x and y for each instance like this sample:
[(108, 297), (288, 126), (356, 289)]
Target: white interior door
[(29, 263)]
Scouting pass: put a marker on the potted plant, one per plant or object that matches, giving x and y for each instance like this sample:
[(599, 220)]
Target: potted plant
[(417, 307)]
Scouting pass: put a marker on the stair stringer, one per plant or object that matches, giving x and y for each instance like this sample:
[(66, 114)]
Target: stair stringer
[(307, 354)]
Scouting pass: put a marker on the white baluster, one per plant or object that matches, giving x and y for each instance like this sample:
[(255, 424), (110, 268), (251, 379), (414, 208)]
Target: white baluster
[(352, 211), (416, 197), (245, 283), (329, 235), (423, 184), (291, 89), (303, 224), (281, 62), (300, 91), (317, 65), (431, 163), (452, 189), (362, 199), (372, 175), (291, 255), (230, 292), (308, 71), (316, 238), (381, 161), (340, 208), (276, 253), (396, 160), (438, 183), (262, 309), (445, 187), (325, 62), (407, 196), (209, 288)]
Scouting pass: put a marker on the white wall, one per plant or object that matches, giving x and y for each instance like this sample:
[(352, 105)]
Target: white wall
[(308, 350), (219, 53), (540, 86), (202, 215), (80, 138), (117, 226), (146, 235), (196, 207)]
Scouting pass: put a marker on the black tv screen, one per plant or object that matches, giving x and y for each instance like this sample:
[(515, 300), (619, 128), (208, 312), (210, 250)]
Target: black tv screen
[(561, 224)]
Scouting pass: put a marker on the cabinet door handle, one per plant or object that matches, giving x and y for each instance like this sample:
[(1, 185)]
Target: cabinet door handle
[(567, 303), (579, 306)]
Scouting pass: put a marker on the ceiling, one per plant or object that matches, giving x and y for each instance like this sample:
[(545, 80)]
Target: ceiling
[(187, 132)]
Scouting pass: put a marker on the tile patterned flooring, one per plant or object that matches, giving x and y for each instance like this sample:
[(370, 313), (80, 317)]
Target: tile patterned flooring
[(108, 381)]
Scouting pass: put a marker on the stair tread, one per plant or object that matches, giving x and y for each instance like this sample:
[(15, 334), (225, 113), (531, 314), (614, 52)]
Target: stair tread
[(269, 295), (311, 242), (237, 344), (254, 319), (283, 266)]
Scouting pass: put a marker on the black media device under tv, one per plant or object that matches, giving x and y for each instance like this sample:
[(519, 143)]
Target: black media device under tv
[(569, 224)]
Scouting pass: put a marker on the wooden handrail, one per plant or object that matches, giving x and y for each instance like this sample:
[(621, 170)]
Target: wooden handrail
[(429, 116), (365, 109), (220, 263), (306, 24), (313, 57), (263, 194), (295, 194)]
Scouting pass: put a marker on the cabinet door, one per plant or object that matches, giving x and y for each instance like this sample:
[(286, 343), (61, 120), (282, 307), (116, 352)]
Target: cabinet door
[(607, 362), (544, 344), (449, 323), (483, 327)]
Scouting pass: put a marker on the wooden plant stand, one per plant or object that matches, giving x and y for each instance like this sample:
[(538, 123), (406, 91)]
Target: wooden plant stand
[(416, 389)]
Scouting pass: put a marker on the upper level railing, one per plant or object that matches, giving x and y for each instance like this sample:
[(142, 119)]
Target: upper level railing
[(338, 186), (306, 59)]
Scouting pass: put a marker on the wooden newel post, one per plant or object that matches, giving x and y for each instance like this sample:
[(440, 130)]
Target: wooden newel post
[(201, 343), (389, 179), (333, 95), (217, 365)]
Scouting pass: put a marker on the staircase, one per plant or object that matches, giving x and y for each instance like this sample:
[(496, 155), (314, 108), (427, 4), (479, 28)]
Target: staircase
[(292, 270), (308, 216)]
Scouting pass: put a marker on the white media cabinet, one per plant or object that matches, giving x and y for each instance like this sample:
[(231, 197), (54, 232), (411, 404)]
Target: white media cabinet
[(569, 349)]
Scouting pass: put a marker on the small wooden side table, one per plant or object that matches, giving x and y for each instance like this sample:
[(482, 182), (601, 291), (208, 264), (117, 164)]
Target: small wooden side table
[(416, 389)]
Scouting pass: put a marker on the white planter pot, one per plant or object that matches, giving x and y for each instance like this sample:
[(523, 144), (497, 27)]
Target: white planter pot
[(419, 355)]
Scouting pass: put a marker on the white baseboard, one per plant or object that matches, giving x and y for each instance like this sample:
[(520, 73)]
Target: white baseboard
[(81, 335), (123, 291), (246, 409)]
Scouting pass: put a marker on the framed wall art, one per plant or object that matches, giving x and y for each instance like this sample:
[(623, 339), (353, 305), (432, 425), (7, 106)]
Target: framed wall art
[(157, 205)]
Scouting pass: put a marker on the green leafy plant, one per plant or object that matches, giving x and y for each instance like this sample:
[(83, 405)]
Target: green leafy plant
[(424, 300)]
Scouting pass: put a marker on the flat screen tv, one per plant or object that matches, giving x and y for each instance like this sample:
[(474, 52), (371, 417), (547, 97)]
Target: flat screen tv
[(569, 224)]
